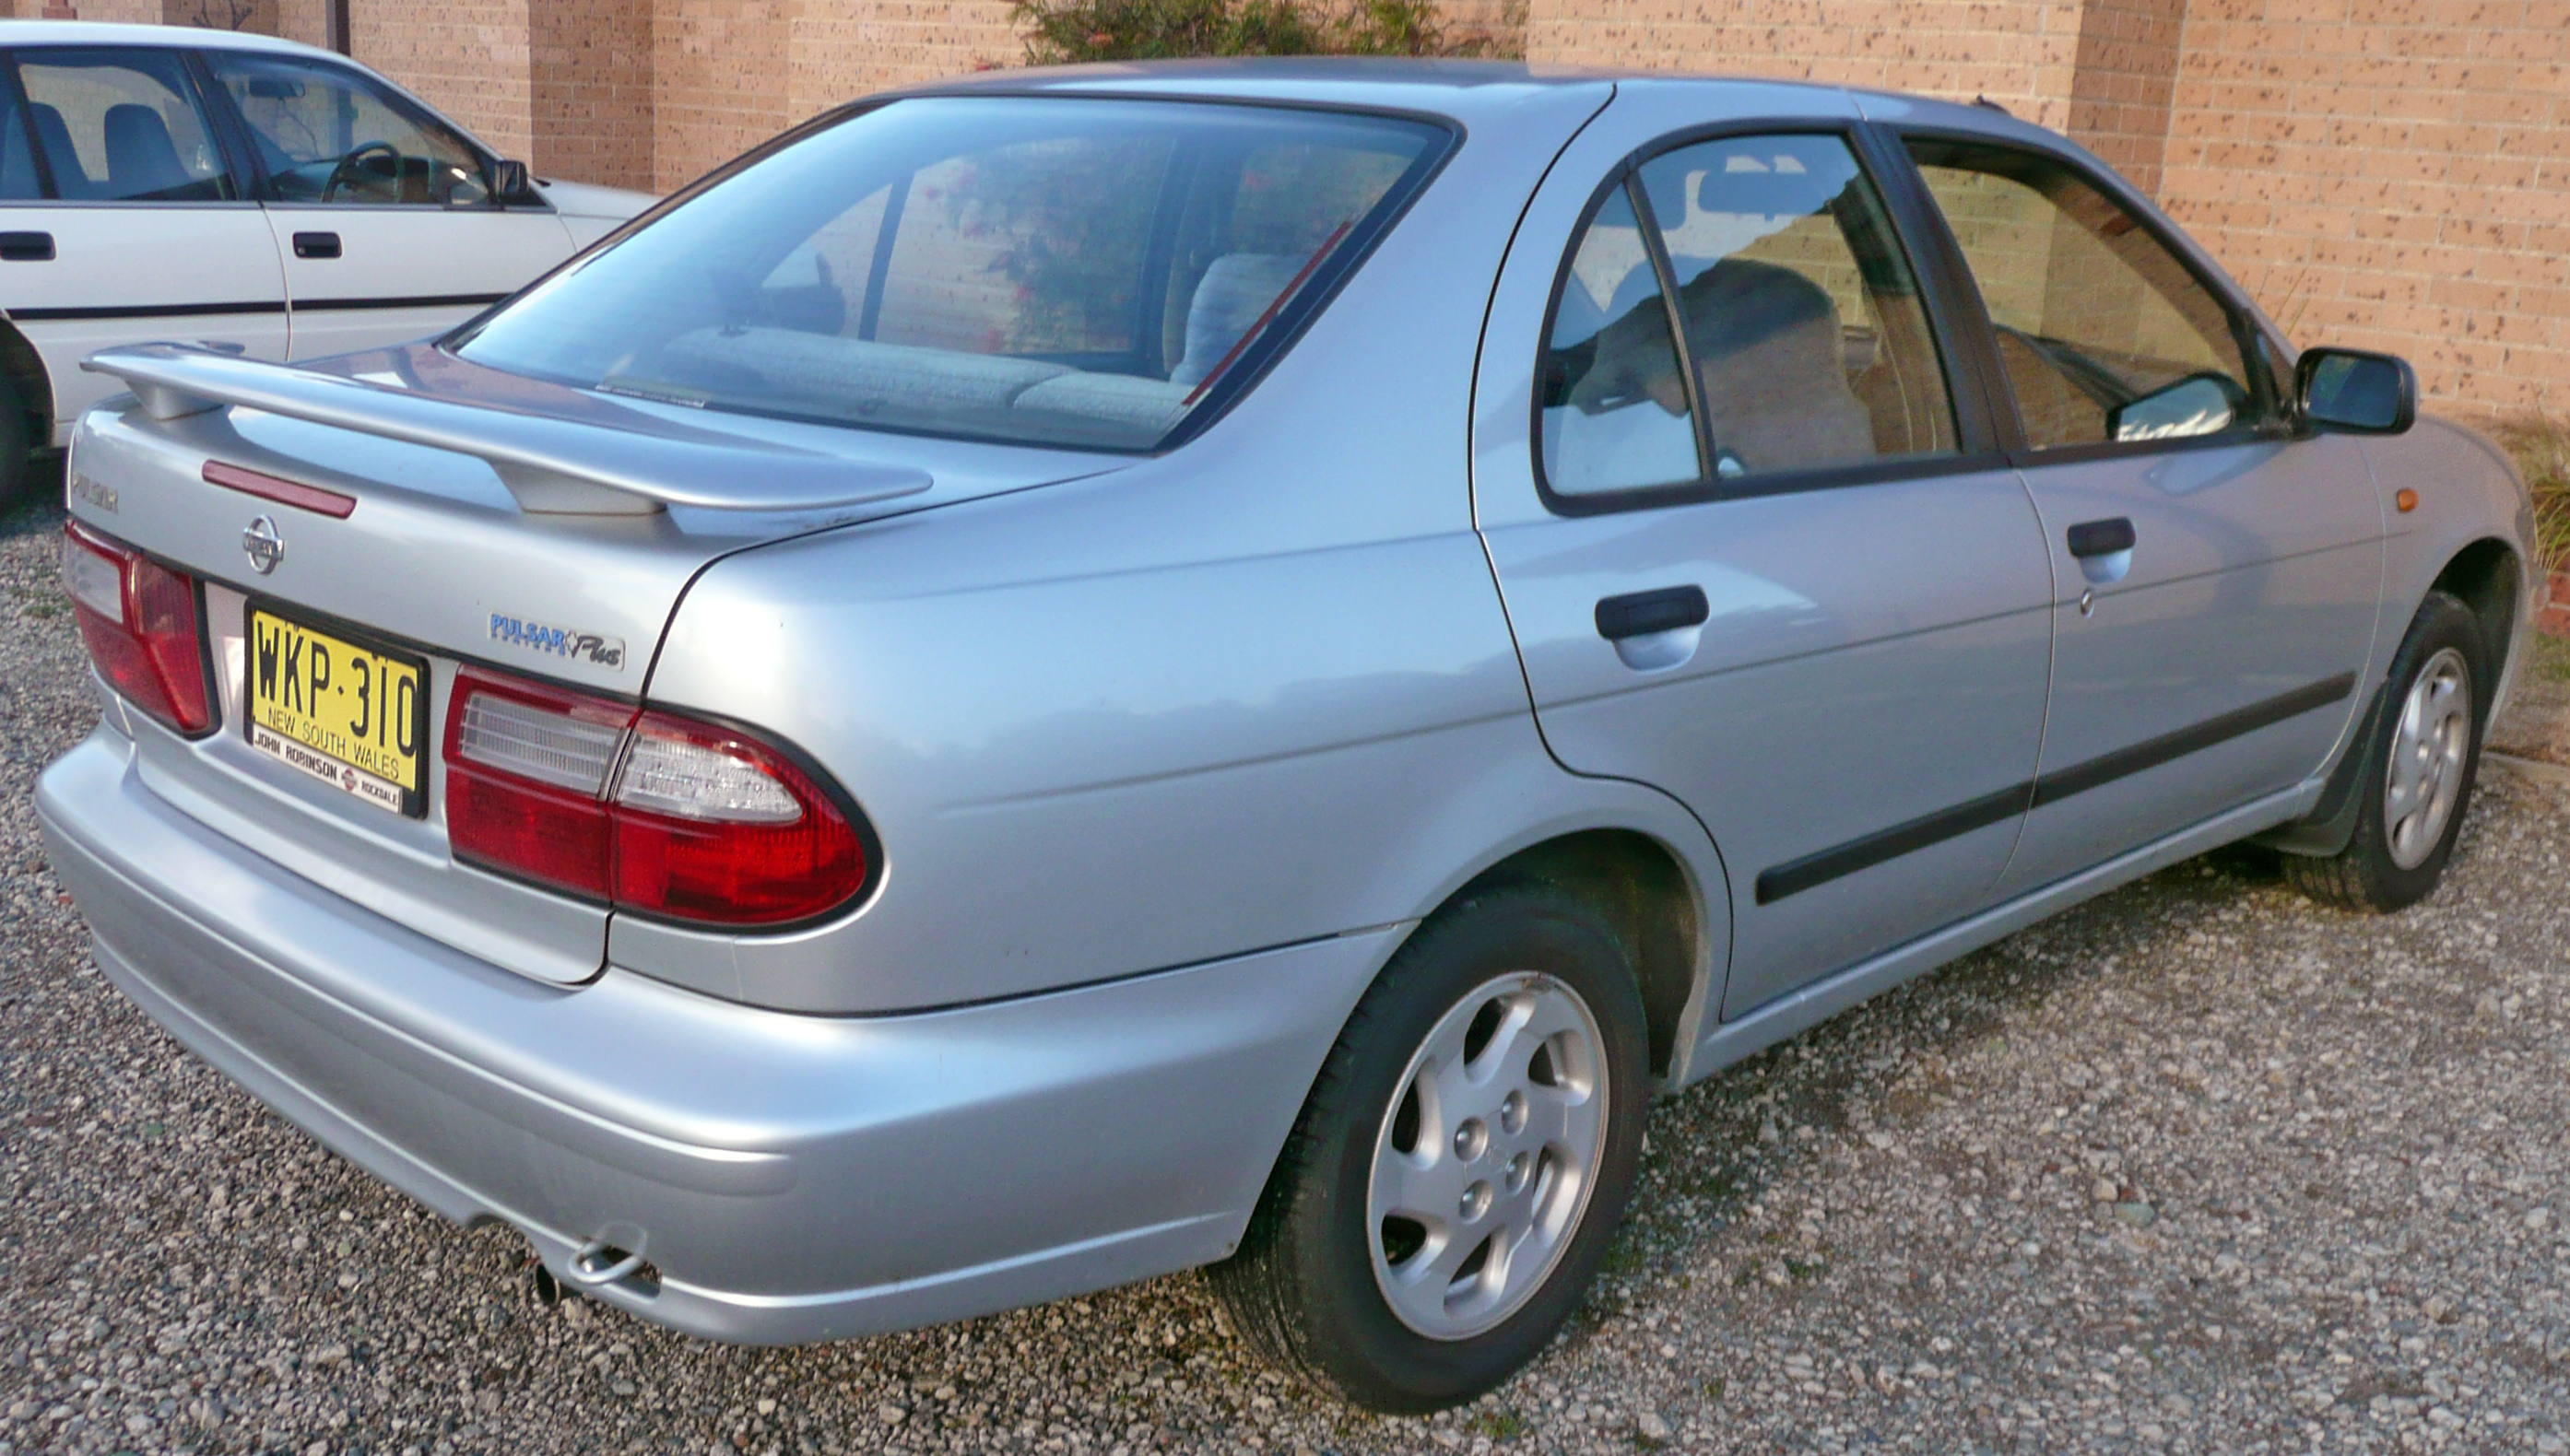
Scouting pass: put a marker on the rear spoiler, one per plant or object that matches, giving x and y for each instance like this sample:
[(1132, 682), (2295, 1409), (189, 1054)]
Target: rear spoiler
[(551, 465)]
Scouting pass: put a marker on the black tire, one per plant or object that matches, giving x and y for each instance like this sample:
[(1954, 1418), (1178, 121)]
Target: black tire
[(2367, 876), (13, 445), (1302, 1289)]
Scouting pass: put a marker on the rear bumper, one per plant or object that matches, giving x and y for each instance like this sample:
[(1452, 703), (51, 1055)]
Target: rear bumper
[(793, 1177)]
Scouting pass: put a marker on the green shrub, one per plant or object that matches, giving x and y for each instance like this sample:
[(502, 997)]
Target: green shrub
[(1062, 31)]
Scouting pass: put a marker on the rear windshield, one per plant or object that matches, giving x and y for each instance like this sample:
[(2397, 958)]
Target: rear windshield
[(1050, 271)]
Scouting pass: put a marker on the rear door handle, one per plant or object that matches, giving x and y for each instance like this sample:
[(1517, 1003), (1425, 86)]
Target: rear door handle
[(316, 245), (26, 248), (2101, 537), (1639, 613)]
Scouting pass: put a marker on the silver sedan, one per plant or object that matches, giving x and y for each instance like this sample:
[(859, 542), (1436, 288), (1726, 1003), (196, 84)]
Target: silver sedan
[(1070, 675)]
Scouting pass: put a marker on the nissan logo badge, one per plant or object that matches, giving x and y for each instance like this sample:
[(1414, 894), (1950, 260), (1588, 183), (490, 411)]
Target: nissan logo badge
[(264, 545)]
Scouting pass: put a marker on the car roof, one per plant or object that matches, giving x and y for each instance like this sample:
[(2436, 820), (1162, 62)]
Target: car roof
[(116, 33), (1463, 90)]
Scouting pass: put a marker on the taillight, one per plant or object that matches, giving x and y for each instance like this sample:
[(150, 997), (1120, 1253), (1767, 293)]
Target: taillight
[(525, 779), (650, 810), (139, 620)]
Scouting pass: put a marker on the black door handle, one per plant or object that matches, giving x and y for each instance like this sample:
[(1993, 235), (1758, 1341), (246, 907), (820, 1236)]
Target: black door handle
[(316, 245), (1639, 613), (26, 248), (2101, 537)]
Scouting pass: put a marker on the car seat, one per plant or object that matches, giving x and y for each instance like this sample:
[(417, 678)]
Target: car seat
[(140, 160), (72, 181), (1771, 361), (1236, 290)]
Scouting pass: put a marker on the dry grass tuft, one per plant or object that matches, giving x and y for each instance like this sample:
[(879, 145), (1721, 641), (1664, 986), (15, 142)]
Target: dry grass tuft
[(2541, 445)]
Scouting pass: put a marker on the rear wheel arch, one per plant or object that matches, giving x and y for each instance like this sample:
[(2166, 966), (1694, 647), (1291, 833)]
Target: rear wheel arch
[(1644, 890)]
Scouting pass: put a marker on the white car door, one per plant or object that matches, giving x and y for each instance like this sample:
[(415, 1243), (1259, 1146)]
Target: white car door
[(120, 221), (383, 215)]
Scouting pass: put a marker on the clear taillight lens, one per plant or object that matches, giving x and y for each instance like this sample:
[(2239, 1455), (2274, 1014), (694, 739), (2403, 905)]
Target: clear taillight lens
[(138, 618), (650, 810)]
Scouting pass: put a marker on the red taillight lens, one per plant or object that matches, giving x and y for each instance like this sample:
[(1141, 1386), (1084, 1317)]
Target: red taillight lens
[(652, 812), (139, 620), (525, 778), (714, 826)]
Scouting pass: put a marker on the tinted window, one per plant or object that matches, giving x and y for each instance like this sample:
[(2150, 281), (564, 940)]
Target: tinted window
[(1800, 317), (329, 135), (1616, 413), (1052, 272), (2105, 334), (1801, 313), (122, 126)]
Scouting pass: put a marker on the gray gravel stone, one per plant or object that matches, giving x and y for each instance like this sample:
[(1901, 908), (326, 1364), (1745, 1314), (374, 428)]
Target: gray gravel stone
[(1906, 1230)]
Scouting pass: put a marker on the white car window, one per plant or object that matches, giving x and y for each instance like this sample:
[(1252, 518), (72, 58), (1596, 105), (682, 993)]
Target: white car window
[(328, 135), (121, 126)]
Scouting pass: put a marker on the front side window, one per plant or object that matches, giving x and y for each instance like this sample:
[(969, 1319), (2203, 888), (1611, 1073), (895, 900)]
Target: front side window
[(121, 126), (325, 135), (2104, 333), (1080, 272), (1803, 340)]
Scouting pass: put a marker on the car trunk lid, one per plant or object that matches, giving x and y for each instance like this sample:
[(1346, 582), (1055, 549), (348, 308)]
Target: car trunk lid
[(438, 514)]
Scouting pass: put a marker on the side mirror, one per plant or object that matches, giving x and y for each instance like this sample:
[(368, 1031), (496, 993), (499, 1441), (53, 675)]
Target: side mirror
[(510, 184), (2355, 392)]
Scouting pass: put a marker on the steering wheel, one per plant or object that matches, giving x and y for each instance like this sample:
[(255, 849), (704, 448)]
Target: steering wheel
[(348, 167)]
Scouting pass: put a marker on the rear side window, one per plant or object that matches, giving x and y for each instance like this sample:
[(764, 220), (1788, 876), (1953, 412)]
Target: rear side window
[(1040, 270), (2104, 333), (1800, 341), (121, 124)]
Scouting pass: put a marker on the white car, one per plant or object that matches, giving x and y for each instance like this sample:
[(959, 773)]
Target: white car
[(248, 194)]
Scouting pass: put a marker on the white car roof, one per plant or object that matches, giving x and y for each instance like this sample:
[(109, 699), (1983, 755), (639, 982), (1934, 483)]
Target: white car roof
[(110, 33)]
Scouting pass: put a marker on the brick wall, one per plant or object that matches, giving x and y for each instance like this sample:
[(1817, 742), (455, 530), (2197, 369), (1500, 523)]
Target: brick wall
[(2120, 90), (590, 70), (719, 81), (2392, 174), (469, 57)]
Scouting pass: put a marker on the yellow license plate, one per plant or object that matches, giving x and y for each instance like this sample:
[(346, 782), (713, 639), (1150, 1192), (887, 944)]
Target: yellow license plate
[(348, 714)]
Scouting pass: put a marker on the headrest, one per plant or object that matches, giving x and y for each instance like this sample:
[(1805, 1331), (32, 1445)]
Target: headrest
[(1767, 177), (140, 156)]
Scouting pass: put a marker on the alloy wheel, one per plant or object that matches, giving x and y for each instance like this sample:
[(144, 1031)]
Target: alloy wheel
[(1488, 1154), (2428, 749)]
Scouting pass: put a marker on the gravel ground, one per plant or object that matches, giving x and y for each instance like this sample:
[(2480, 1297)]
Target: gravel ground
[(2199, 1167)]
